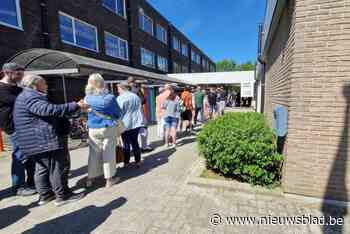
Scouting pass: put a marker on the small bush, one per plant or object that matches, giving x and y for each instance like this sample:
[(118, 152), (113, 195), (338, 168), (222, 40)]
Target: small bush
[(241, 145)]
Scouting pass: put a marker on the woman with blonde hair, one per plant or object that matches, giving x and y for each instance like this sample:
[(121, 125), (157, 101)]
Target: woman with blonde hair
[(103, 115)]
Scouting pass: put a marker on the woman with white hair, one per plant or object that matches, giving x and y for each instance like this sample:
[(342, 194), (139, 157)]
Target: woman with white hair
[(102, 118), (37, 138)]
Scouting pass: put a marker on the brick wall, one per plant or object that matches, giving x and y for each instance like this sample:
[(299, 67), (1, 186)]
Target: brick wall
[(309, 72), (279, 63)]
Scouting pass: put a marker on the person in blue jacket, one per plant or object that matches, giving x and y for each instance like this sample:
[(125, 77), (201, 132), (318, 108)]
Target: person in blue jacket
[(37, 138), (103, 115)]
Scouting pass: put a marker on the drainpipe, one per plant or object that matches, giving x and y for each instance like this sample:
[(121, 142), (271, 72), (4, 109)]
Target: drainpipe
[(130, 30)]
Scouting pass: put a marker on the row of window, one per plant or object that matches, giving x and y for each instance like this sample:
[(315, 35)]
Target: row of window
[(79, 33), (180, 47), (146, 24), (148, 59)]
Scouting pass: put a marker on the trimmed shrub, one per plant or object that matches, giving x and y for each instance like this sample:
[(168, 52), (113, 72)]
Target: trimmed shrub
[(241, 145)]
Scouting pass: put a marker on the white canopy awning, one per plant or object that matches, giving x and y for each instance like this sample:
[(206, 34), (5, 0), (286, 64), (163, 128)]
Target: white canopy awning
[(216, 78)]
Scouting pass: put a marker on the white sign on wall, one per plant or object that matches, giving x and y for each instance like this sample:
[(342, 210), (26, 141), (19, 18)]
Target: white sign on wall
[(247, 89)]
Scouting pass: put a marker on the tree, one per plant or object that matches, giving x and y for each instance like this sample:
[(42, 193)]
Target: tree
[(231, 65), (226, 65)]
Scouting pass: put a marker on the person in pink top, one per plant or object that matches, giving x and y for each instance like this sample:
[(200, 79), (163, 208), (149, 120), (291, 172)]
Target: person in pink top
[(160, 99)]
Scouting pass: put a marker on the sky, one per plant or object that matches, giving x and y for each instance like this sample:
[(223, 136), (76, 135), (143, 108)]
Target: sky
[(223, 29)]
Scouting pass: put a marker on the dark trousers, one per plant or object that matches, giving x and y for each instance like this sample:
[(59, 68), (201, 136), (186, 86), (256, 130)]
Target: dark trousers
[(130, 138), (19, 169), (64, 141), (197, 111), (51, 173)]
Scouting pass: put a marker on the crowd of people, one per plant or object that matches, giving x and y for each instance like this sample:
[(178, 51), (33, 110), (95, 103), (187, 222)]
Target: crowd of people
[(39, 129)]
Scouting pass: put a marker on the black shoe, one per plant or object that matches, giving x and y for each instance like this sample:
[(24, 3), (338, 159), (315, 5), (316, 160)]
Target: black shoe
[(25, 192), (44, 201), (69, 199)]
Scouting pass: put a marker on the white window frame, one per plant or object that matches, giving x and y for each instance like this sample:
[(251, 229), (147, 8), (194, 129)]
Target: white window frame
[(184, 45), (119, 40), (143, 22), (165, 41), (19, 18), (179, 43), (166, 64), (74, 33), (143, 50), (193, 56), (116, 9)]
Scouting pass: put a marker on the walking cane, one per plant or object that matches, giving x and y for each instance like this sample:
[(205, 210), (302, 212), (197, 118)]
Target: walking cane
[(1, 142)]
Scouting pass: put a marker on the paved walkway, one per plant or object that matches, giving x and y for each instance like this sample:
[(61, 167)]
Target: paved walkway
[(153, 199)]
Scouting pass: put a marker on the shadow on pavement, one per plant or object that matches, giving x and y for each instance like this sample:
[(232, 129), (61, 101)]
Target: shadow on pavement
[(13, 214), (85, 220), (78, 172), (6, 193), (149, 163)]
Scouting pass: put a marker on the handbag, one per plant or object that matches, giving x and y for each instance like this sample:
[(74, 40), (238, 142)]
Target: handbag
[(117, 122), (119, 152)]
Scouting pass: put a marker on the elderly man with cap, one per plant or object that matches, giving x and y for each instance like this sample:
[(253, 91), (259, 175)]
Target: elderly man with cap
[(145, 147), (130, 105), (12, 75)]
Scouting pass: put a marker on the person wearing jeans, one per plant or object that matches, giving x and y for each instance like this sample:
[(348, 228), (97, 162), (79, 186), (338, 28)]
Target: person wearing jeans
[(9, 90), (132, 116), (37, 139), (103, 114)]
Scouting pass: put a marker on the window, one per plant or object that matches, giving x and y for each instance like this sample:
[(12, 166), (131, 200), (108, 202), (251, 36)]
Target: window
[(176, 44), (10, 13), (198, 59), (184, 49), (145, 22), (194, 56), (147, 58), (78, 33), (162, 64), (117, 6), (161, 34), (176, 67), (116, 47)]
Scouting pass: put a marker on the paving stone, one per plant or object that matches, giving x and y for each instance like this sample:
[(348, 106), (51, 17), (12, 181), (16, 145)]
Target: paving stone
[(156, 199)]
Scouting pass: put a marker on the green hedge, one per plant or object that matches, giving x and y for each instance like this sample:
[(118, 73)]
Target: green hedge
[(241, 145)]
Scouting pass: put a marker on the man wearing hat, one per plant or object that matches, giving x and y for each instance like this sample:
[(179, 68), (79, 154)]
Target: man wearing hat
[(9, 90)]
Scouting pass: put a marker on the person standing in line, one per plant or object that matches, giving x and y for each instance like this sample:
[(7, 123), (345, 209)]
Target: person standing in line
[(212, 100), (186, 97), (145, 146), (221, 101), (33, 113), (132, 116), (103, 114), (9, 90), (205, 106), (172, 110), (238, 99), (163, 94), (198, 103), (159, 114)]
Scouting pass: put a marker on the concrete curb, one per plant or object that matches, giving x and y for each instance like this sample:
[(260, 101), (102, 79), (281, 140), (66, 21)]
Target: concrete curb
[(195, 179), (234, 186)]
